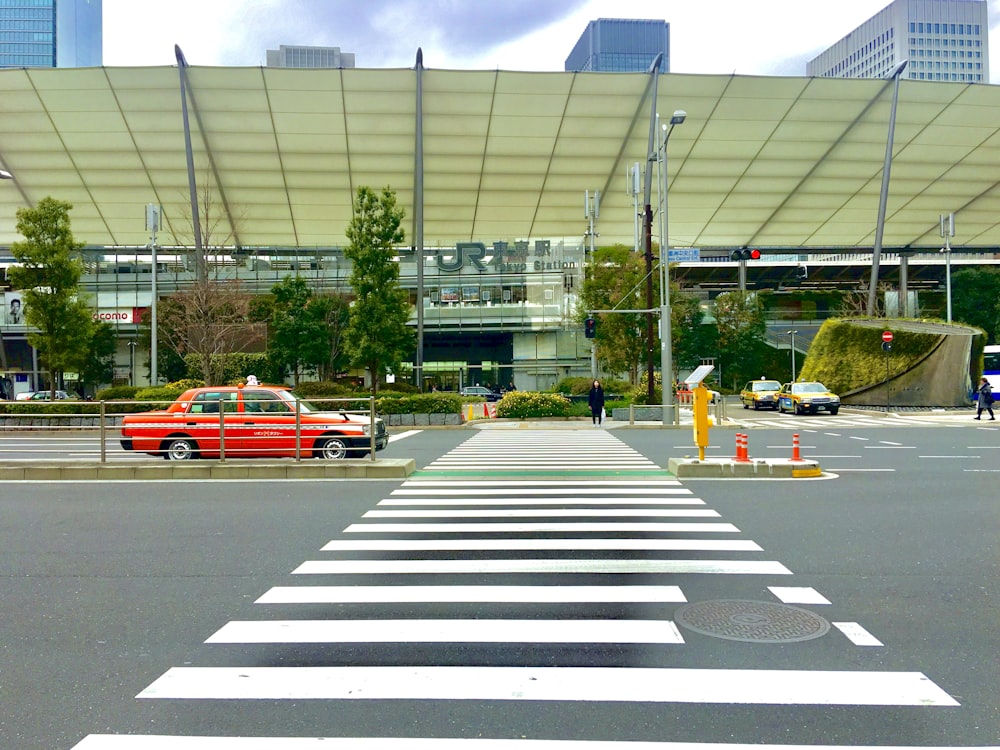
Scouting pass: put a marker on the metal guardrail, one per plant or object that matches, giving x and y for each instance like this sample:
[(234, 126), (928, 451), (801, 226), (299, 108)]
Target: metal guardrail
[(76, 430)]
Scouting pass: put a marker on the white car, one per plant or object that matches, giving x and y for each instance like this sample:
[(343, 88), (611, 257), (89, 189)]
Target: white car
[(26, 396)]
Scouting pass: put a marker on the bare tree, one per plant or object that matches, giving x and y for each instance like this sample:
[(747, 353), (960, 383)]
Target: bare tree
[(210, 318)]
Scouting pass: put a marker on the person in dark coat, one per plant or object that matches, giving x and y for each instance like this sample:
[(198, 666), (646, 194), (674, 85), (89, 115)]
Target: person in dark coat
[(596, 401), (985, 399)]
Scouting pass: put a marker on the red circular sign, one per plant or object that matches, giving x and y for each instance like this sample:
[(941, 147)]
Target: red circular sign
[(887, 335)]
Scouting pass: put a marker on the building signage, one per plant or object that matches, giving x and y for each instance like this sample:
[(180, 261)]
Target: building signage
[(517, 257), (119, 314)]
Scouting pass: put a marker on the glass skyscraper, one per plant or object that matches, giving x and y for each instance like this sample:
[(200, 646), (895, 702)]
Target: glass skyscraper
[(50, 33), (621, 45)]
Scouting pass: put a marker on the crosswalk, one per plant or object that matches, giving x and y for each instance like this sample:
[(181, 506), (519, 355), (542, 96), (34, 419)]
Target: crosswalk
[(454, 556), (845, 420)]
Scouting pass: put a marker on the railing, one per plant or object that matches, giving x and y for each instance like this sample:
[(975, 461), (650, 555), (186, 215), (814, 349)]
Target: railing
[(88, 428)]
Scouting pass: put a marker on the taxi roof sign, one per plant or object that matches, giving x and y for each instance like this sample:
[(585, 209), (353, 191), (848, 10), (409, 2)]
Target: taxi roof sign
[(700, 373)]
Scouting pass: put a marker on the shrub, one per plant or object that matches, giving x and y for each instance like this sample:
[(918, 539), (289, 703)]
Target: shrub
[(581, 386), (421, 403), (323, 389), (118, 393), (526, 404)]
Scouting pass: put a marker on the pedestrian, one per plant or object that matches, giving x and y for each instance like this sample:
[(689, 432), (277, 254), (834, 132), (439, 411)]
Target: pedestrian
[(985, 399), (596, 401)]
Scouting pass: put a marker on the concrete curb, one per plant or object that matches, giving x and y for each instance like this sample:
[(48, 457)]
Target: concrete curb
[(727, 468), (54, 471)]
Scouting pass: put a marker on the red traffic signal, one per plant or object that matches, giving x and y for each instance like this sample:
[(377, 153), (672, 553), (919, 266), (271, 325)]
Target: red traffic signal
[(745, 254), (590, 327)]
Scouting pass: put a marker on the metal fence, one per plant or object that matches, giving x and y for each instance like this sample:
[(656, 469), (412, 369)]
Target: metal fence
[(93, 430)]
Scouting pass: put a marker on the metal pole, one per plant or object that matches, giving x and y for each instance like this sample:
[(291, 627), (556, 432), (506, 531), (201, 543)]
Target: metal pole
[(884, 194), (947, 231), (792, 334), (200, 269), (418, 219), (654, 71), (666, 332)]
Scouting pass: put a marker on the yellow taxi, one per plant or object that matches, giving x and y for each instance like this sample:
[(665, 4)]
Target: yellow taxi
[(760, 394), (807, 397)]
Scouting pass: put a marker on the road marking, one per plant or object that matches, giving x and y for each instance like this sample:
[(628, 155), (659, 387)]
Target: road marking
[(633, 485), (566, 500), (448, 631), (531, 528), (536, 491), (798, 595), (547, 513), (857, 634), (160, 742), (889, 442), (949, 456), (382, 567), (479, 594), (631, 684), (452, 545), (404, 435), (891, 447), (832, 434), (856, 437)]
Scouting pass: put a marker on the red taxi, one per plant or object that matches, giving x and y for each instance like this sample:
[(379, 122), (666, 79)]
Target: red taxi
[(258, 421)]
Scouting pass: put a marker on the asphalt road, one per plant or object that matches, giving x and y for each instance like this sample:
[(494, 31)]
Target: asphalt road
[(112, 590)]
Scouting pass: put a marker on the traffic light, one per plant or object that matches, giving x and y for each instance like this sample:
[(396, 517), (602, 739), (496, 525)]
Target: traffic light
[(745, 254), (590, 328)]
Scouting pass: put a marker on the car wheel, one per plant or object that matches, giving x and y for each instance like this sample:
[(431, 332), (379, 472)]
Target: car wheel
[(746, 405), (756, 405), (834, 410), (332, 449), (799, 409), (180, 449)]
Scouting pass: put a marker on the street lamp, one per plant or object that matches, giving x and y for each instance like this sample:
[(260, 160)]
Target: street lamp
[(792, 346), (666, 344), (5, 175), (947, 231)]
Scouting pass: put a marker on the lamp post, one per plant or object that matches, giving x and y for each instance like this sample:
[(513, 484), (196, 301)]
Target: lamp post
[(947, 231), (666, 335), (792, 346), (5, 175)]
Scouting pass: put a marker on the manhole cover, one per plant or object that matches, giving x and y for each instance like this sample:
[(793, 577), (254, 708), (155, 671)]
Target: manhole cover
[(757, 622)]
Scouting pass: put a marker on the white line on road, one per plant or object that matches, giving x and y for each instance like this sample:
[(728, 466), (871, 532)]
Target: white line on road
[(798, 595), (563, 489), (403, 435), (453, 545), (949, 456), (448, 631), (633, 684), (478, 594), (857, 634), (381, 567), (548, 513), (531, 528), (567, 500)]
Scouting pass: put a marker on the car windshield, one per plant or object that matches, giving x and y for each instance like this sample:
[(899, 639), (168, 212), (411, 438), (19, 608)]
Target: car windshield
[(766, 385), (808, 388)]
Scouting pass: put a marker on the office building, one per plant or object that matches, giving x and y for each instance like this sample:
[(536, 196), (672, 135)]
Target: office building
[(621, 45), (309, 57), (941, 40), (50, 33)]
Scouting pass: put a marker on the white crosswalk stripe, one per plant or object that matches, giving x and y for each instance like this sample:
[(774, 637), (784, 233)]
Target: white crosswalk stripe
[(418, 574)]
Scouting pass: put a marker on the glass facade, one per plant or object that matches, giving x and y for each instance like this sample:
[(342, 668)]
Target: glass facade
[(618, 45), (50, 33), (309, 57), (941, 40)]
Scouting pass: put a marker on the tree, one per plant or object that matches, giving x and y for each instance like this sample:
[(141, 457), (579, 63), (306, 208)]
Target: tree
[(214, 316), (48, 273), (614, 280), (305, 328), (377, 335), (98, 365), (740, 320), (975, 294)]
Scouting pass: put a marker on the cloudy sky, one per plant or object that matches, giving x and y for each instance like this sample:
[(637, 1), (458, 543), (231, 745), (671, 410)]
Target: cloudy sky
[(750, 37)]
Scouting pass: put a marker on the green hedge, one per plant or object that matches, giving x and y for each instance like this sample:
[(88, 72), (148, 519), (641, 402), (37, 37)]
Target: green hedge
[(844, 356), (530, 405), (425, 403)]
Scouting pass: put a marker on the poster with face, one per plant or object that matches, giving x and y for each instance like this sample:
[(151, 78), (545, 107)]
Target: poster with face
[(14, 307)]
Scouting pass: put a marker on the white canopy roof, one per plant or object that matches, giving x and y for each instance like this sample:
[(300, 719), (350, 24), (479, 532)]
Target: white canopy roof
[(760, 161)]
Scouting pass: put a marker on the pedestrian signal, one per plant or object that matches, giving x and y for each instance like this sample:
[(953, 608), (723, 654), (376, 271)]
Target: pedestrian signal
[(590, 328), (745, 254)]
